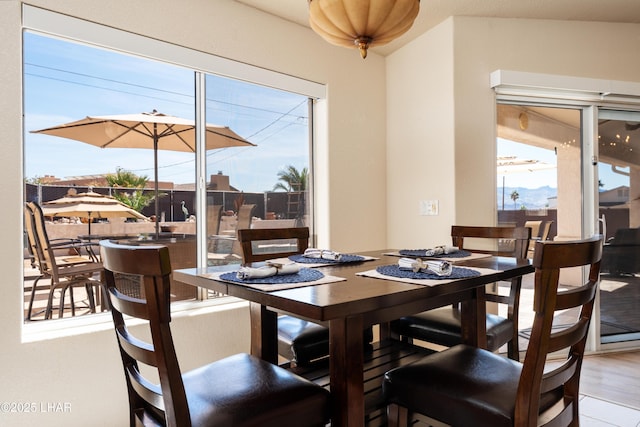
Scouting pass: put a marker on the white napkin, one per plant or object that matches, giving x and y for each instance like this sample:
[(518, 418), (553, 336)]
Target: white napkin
[(441, 268), (271, 269), (322, 254), (440, 250)]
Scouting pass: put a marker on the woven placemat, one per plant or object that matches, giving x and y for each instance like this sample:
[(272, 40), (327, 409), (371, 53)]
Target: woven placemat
[(304, 275), (421, 253), (395, 271), (345, 258)]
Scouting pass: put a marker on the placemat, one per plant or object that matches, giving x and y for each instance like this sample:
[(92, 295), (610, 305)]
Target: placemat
[(324, 279), (344, 259), (420, 253), (445, 257), (395, 271), (424, 282), (315, 262), (302, 276)]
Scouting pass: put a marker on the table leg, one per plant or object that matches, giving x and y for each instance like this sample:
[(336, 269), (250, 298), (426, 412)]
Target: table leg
[(264, 330), (473, 319), (346, 371)]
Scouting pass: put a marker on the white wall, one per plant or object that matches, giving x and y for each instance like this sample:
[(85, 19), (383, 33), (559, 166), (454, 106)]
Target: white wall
[(420, 135), (440, 102), (84, 370)]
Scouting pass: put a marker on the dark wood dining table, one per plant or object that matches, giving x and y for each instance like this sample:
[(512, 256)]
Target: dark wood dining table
[(348, 306)]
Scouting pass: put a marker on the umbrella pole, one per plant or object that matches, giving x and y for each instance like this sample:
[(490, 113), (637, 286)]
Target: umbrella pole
[(155, 163)]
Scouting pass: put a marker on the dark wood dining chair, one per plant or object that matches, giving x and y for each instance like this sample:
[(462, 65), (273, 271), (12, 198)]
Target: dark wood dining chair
[(442, 325), (64, 273), (468, 386), (300, 341), (240, 390)]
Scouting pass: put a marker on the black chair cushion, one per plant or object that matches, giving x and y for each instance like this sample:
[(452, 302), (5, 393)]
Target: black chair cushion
[(303, 342), (243, 390), (442, 326), (460, 386)]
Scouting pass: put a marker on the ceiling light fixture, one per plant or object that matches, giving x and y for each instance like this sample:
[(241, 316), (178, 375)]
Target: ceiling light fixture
[(362, 23)]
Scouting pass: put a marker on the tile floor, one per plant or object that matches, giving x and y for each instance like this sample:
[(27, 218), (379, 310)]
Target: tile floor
[(600, 413)]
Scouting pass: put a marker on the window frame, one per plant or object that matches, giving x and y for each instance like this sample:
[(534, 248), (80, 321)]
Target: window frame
[(52, 24)]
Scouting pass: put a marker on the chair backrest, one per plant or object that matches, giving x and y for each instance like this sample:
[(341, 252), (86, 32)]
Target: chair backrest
[(544, 230), (280, 237), (32, 239), (507, 241), (245, 215), (167, 402), (558, 387), (43, 253), (214, 214)]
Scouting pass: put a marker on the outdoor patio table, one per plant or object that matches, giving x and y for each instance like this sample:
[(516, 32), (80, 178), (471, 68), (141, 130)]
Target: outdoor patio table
[(350, 305)]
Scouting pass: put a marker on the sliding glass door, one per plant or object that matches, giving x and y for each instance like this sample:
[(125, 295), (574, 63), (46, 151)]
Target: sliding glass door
[(546, 158), (619, 202), (539, 179)]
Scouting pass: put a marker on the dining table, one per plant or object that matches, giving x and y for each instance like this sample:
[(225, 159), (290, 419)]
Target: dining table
[(355, 297)]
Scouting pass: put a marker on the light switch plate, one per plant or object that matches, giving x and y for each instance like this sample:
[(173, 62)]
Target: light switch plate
[(429, 207)]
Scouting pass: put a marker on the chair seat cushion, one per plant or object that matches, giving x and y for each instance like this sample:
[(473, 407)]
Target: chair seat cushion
[(460, 386), (303, 342), (442, 326), (243, 390)]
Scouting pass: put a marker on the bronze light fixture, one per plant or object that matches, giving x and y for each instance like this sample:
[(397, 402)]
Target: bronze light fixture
[(362, 23)]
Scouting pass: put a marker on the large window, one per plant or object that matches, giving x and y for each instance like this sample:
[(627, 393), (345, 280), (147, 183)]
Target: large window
[(264, 181)]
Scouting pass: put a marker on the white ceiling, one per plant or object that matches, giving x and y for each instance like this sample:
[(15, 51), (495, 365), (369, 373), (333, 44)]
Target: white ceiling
[(433, 12)]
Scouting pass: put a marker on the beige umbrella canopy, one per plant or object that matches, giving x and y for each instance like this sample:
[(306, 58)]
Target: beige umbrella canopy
[(145, 130), (89, 205)]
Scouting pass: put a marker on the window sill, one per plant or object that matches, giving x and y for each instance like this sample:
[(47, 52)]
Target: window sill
[(72, 326)]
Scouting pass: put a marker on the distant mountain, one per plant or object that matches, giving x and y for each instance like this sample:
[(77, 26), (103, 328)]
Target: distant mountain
[(530, 198)]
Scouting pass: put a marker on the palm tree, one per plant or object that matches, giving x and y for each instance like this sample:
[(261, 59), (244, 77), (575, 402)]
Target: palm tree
[(292, 179), (514, 196), (132, 185)]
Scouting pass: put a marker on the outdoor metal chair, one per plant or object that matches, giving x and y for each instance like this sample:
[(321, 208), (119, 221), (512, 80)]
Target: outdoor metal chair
[(64, 273)]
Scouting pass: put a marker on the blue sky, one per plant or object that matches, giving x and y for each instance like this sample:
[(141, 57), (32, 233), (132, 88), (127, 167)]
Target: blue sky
[(66, 81)]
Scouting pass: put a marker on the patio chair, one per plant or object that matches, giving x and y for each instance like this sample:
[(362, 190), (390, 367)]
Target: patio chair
[(442, 325), (245, 216), (214, 215), (240, 390), (225, 249), (65, 272), (299, 341), (468, 386), (539, 231)]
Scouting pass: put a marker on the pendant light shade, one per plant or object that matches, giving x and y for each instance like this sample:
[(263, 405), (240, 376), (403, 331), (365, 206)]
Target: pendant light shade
[(362, 23)]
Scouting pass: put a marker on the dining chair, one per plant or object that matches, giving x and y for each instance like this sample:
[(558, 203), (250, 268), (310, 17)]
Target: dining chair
[(63, 272), (469, 386), (442, 325), (239, 390), (300, 341)]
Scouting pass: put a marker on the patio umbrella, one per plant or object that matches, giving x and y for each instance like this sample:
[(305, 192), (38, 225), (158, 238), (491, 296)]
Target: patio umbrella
[(145, 130), (89, 205)]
